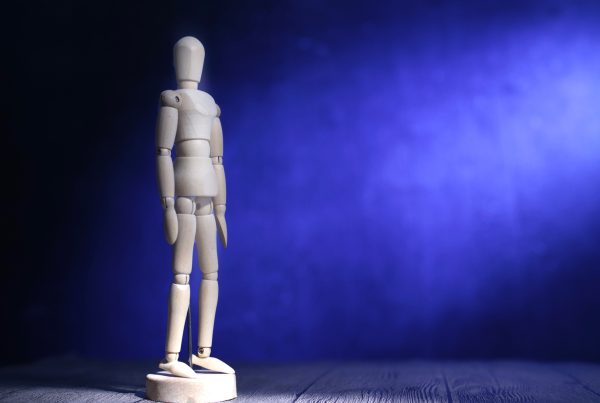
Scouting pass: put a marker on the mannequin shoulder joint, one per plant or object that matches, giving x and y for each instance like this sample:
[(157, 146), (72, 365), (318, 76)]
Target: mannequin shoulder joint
[(170, 98)]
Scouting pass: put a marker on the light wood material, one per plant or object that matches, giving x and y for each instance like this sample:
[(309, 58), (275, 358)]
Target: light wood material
[(189, 187), (206, 387)]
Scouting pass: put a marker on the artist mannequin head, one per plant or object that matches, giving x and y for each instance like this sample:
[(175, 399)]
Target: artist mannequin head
[(188, 58)]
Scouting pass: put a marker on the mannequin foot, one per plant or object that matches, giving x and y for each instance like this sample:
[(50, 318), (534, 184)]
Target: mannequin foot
[(211, 363), (177, 368)]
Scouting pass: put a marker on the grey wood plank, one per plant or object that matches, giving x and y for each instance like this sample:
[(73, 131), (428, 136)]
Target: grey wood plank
[(379, 382), (69, 379), (66, 394), (276, 383), (506, 381), (72, 379), (587, 375)]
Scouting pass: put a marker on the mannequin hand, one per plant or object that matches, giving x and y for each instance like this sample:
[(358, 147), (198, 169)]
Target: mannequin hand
[(170, 220), (221, 223)]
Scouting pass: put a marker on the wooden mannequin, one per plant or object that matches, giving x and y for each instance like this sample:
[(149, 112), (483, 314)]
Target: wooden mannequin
[(193, 196)]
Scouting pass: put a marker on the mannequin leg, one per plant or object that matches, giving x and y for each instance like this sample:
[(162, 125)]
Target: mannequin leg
[(179, 295), (206, 242)]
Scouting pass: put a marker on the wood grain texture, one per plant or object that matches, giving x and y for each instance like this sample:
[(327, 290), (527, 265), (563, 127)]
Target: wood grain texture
[(75, 380), (505, 381), (379, 382), (69, 379), (586, 375), (277, 383)]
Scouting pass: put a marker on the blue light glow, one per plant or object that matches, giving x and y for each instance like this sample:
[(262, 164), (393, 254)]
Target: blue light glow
[(420, 183)]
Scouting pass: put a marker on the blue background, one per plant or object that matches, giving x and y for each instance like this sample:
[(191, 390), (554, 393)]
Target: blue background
[(405, 179)]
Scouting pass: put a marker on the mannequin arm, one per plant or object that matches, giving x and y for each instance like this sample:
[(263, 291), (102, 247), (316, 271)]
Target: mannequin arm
[(165, 138), (220, 200)]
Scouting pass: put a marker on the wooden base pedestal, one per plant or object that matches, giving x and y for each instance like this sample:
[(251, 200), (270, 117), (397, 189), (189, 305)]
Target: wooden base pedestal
[(207, 387)]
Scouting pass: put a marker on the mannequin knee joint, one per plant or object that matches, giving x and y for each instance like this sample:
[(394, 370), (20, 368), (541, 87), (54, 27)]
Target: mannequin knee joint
[(181, 279), (210, 276)]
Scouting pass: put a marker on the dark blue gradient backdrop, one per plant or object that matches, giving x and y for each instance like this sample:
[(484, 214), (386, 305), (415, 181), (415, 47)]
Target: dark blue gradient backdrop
[(404, 180)]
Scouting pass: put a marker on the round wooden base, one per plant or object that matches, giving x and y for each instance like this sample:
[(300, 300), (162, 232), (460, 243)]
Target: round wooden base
[(207, 387)]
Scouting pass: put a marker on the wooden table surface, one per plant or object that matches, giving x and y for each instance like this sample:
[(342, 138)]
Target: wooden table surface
[(70, 379)]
